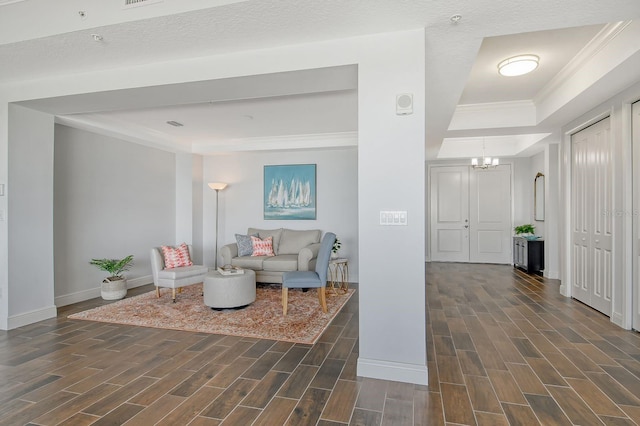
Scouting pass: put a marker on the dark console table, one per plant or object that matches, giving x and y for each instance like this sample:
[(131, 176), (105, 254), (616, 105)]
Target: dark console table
[(528, 255)]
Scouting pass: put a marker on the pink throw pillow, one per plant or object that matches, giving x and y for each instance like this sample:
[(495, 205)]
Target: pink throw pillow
[(262, 247), (175, 257)]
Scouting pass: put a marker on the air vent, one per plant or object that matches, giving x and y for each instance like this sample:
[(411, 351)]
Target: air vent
[(135, 3), (175, 123)]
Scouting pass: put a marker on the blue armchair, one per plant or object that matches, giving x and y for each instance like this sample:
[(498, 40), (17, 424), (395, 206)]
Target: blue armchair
[(311, 279)]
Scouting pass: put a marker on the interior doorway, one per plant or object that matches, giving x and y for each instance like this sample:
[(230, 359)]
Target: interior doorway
[(470, 218)]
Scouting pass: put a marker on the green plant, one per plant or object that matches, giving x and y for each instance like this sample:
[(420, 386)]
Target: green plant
[(525, 229), (336, 246), (114, 267)]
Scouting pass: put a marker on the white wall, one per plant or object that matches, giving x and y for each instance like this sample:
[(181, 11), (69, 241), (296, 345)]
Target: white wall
[(241, 203), (522, 191), (112, 198), (618, 108), (30, 183), (390, 173), (538, 165)]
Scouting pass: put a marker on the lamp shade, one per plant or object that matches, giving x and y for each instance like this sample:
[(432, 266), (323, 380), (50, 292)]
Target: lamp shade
[(518, 65), (218, 186)]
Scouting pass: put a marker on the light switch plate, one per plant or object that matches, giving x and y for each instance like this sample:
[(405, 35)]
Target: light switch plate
[(393, 218)]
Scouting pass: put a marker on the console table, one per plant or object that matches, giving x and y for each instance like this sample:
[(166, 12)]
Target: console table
[(528, 255)]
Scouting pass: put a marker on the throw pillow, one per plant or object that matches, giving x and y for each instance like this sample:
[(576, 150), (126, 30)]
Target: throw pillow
[(262, 247), (245, 246), (175, 257)]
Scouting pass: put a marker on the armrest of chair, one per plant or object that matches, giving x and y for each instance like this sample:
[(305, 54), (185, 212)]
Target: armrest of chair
[(157, 263), (306, 255), (228, 252)]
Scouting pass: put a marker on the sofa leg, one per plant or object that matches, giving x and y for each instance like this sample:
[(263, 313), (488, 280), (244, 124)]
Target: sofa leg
[(173, 294), (158, 292), (323, 299), (285, 295)]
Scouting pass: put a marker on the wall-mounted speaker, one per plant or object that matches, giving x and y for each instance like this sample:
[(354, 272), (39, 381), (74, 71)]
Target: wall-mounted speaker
[(404, 104)]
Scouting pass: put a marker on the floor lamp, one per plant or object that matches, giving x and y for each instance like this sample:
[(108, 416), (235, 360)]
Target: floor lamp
[(217, 186)]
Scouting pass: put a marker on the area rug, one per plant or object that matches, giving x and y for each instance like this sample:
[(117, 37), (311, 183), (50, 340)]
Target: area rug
[(262, 319)]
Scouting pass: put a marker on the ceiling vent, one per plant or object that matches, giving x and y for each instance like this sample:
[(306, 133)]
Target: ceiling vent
[(135, 3)]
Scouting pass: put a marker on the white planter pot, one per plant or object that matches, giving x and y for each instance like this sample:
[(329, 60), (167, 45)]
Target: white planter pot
[(113, 290)]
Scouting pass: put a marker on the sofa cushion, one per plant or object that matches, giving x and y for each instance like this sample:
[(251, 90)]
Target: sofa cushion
[(281, 263), (262, 247), (264, 233), (291, 241), (249, 262), (245, 246), (183, 272)]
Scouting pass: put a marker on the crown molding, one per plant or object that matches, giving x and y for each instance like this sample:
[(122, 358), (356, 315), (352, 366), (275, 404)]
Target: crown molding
[(588, 52), (270, 143)]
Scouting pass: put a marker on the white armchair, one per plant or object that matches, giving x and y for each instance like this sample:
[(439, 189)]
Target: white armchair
[(174, 278)]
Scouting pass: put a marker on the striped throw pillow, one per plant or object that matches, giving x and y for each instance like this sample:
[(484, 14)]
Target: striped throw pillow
[(175, 257)]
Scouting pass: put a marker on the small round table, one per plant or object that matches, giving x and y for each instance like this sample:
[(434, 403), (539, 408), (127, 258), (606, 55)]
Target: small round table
[(229, 291)]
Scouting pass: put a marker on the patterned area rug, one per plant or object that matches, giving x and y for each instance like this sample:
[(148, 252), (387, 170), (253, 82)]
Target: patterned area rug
[(263, 319)]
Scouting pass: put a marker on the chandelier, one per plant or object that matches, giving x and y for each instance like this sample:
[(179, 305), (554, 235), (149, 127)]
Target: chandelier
[(486, 163)]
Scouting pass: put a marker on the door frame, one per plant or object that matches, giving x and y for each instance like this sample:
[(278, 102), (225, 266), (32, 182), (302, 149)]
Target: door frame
[(427, 197), (619, 111)]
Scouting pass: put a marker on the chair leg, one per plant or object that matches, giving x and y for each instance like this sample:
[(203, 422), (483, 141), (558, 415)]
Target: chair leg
[(285, 296), (158, 292), (173, 294), (323, 299)]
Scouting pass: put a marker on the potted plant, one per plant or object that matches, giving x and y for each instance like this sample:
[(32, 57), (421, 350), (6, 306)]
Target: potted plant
[(336, 248), (113, 287), (525, 230)]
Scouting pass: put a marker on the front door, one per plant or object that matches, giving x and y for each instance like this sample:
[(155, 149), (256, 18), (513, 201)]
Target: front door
[(449, 214), (490, 215), (470, 214)]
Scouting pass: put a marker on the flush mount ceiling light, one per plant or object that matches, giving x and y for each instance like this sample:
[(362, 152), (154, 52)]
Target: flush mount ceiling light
[(518, 65)]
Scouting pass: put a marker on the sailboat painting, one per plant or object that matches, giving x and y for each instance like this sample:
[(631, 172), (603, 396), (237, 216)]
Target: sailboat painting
[(290, 192)]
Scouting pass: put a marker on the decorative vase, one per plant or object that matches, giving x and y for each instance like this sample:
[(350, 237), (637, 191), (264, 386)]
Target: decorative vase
[(113, 289), (334, 255)]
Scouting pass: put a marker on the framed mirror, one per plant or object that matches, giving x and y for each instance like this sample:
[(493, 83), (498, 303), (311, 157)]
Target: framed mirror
[(538, 197)]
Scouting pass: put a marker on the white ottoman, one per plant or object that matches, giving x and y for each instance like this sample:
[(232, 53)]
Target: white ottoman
[(229, 291)]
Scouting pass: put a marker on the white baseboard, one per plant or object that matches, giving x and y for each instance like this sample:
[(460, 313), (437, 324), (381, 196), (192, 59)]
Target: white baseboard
[(27, 318), (395, 371), (554, 275), (92, 293)]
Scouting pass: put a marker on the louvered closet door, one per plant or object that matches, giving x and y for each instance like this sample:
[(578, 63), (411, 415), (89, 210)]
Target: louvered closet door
[(592, 216)]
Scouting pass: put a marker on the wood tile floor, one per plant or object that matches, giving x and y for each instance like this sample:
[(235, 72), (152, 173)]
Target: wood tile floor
[(503, 348)]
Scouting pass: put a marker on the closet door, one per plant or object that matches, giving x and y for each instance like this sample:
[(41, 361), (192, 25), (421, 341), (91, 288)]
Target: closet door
[(635, 135), (592, 216), (449, 213)]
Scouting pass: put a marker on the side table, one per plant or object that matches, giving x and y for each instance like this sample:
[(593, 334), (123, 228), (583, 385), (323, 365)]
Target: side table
[(339, 275)]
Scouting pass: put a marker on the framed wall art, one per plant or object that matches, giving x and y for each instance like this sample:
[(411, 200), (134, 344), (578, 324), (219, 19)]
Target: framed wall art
[(290, 192)]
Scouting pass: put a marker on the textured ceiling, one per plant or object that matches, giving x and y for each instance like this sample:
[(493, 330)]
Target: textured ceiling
[(460, 58)]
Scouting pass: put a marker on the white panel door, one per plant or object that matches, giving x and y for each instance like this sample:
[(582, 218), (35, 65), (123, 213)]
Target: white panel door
[(490, 215), (635, 134), (449, 213), (592, 216)]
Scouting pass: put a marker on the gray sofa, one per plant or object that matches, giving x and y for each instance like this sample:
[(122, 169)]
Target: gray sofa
[(295, 251)]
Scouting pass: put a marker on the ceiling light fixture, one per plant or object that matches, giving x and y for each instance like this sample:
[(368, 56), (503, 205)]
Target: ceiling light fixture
[(518, 65), (175, 123), (487, 162), (455, 19)]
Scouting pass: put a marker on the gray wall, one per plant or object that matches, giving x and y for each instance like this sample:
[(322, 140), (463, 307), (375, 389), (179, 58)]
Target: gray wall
[(112, 198), (30, 234), (241, 203)]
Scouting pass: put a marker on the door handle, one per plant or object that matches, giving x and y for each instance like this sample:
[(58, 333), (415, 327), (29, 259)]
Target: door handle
[(466, 226)]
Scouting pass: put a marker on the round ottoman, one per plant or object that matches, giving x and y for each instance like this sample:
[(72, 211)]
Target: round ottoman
[(229, 291)]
